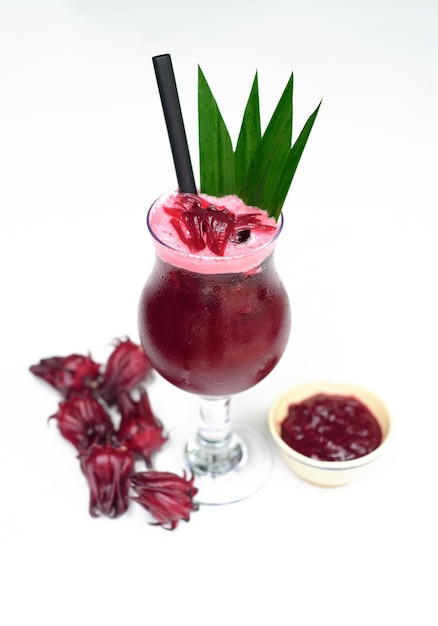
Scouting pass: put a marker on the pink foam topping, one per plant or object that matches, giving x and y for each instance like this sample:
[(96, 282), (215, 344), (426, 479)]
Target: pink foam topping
[(237, 256)]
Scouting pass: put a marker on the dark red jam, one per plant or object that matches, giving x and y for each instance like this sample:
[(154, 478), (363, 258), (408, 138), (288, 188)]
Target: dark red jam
[(331, 428)]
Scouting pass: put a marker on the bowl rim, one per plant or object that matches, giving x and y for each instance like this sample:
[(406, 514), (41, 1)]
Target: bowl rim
[(305, 390)]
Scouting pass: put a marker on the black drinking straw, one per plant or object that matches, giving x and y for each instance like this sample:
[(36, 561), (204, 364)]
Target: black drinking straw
[(174, 122)]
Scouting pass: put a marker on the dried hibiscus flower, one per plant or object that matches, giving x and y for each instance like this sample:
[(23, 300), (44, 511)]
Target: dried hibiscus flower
[(167, 496), (108, 470), (126, 367), (69, 375), (107, 458), (140, 431), (84, 421)]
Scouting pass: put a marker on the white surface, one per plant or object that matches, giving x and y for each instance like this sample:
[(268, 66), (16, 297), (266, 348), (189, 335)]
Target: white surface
[(83, 151)]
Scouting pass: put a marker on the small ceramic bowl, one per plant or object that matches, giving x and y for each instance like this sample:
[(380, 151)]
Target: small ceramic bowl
[(327, 473)]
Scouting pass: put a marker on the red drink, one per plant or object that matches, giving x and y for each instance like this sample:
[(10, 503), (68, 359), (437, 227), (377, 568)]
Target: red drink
[(215, 324)]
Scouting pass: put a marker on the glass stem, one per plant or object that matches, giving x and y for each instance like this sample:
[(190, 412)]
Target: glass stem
[(215, 450)]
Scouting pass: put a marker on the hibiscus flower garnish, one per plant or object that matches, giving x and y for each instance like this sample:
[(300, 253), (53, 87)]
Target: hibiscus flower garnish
[(108, 470), (127, 366), (166, 496), (84, 421), (200, 223), (72, 374), (140, 431)]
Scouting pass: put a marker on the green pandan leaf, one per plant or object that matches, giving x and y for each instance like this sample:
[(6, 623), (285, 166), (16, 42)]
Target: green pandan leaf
[(278, 195), (249, 136), (263, 166), (216, 156), (264, 174)]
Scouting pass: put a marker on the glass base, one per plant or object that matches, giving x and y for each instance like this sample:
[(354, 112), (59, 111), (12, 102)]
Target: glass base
[(250, 473)]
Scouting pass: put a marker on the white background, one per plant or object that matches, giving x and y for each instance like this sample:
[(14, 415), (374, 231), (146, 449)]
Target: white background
[(83, 152)]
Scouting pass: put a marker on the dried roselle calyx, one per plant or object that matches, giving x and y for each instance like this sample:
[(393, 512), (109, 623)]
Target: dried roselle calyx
[(252, 220), (84, 421), (108, 470), (166, 496), (200, 223), (218, 226), (140, 431), (126, 368), (189, 229), (73, 374)]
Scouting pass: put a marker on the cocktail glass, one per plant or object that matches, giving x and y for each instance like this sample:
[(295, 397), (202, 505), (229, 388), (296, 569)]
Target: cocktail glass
[(214, 328)]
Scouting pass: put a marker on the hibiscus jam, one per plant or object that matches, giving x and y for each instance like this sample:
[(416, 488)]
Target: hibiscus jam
[(331, 428), (214, 317)]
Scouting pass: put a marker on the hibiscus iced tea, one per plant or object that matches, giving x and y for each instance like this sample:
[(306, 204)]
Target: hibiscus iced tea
[(214, 316)]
